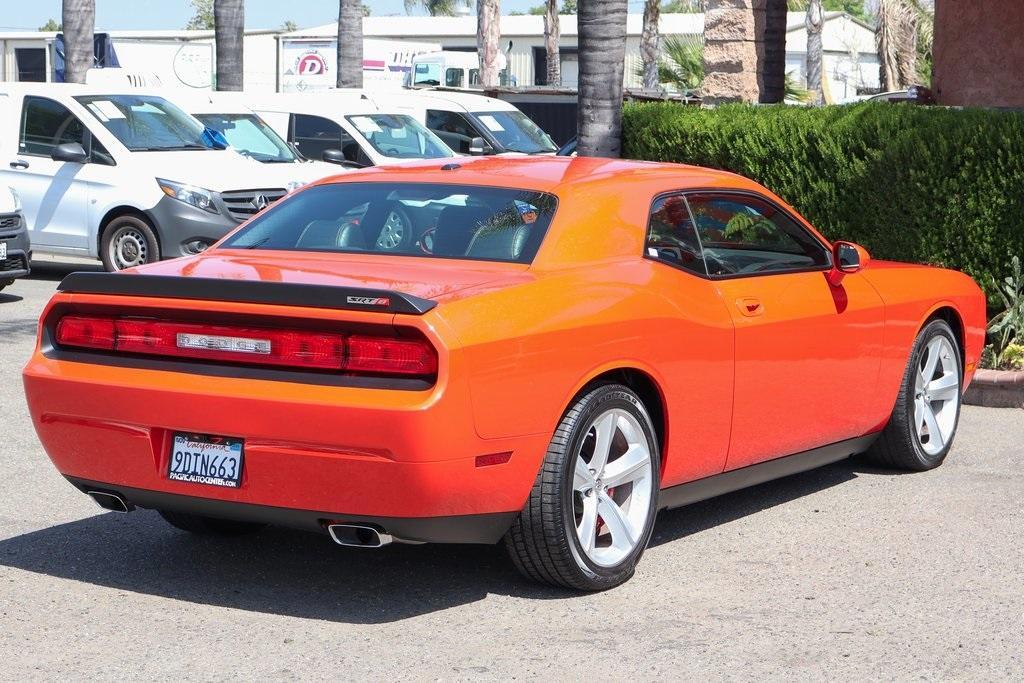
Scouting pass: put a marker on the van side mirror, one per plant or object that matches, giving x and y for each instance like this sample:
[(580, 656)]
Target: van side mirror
[(847, 258), (478, 148), (71, 152), (336, 156)]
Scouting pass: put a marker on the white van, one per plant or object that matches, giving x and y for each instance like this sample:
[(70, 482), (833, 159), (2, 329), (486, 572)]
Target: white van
[(346, 128), (124, 176), (469, 123), (248, 134)]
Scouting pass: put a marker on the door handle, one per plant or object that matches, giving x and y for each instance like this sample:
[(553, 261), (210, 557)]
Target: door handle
[(19, 163), (750, 307)]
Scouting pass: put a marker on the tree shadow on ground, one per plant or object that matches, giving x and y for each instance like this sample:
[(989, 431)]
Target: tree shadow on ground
[(279, 571)]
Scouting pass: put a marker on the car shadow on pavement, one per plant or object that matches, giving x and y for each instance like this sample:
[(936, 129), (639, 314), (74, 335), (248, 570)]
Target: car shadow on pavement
[(292, 573), (9, 298)]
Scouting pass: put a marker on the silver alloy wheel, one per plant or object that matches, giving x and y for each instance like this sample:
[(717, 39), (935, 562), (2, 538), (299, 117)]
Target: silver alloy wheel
[(612, 487), (936, 395), (128, 248), (393, 232)]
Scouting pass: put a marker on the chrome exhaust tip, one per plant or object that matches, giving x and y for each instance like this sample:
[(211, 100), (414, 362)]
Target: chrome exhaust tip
[(111, 501), (358, 536)]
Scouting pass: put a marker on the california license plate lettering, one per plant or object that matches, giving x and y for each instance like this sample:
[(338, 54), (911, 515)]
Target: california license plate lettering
[(211, 460)]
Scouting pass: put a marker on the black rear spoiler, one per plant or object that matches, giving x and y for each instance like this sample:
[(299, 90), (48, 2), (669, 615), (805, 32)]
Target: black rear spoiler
[(245, 291)]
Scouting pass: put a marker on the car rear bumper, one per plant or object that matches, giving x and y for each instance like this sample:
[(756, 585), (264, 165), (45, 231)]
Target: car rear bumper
[(479, 528), (311, 453)]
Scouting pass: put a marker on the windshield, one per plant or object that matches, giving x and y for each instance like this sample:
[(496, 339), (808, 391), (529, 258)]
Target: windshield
[(424, 220), (249, 135), (399, 136), (516, 132), (145, 123), (426, 74)]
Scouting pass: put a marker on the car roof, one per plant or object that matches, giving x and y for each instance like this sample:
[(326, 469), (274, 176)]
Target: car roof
[(327, 104), (557, 175)]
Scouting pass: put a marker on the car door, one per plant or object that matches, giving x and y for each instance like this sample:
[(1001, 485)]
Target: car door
[(54, 194), (807, 353)]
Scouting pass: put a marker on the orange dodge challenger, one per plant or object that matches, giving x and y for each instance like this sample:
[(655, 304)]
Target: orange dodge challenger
[(545, 351)]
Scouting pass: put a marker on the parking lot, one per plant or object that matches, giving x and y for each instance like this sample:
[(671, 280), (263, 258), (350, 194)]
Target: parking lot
[(845, 572)]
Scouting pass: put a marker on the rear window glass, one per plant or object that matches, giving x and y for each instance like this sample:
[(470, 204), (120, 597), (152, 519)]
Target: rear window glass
[(408, 219)]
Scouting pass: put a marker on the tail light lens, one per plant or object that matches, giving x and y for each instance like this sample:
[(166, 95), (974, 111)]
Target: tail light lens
[(296, 348)]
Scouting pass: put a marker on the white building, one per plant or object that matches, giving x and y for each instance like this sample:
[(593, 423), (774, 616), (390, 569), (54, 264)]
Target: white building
[(186, 58), (850, 59)]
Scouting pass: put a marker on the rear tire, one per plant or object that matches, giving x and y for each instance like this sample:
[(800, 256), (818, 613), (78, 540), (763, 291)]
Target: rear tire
[(128, 241), (924, 421), (592, 508), (209, 526)]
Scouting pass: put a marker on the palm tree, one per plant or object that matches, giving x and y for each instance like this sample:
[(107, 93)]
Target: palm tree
[(773, 67), (350, 44), (602, 40), (904, 38), (649, 40), (681, 64), (488, 33), (552, 34), (79, 18), (814, 21), (436, 8), (229, 32)]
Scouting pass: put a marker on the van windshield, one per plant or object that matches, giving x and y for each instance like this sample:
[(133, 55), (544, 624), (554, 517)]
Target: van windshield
[(399, 136), (249, 135), (516, 132), (145, 123), (424, 220)]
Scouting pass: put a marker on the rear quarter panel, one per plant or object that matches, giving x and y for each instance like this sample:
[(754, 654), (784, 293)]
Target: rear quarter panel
[(913, 294)]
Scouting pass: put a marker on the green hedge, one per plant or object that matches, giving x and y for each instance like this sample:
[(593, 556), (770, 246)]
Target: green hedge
[(918, 184)]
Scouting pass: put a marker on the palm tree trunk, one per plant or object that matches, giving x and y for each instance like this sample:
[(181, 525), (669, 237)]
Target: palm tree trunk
[(773, 65), (350, 44), (552, 34), (650, 51), (602, 41), (488, 18), (79, 17), (814, 23), (229, 31)]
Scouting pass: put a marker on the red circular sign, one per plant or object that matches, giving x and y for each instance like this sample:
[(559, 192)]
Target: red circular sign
[(311, 64)]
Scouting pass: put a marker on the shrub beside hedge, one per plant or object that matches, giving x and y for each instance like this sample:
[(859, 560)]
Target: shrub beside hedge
[(917, 184)]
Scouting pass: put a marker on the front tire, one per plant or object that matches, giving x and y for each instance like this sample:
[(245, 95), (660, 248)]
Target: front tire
[(128, 241), (923, 423), (591, 511), (209, 526)]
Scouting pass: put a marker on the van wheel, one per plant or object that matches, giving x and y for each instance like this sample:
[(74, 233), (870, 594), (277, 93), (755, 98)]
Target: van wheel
[(128, 241), (592, 508), (198, 524)]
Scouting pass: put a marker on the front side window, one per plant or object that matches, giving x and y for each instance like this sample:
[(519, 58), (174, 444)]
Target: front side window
[(424, 220), (453, 78), (145, 123), (743, 235), (453, 128), (516, 132), (672, 237), (315, 134), (399, 136), (249, 135), (46, 124)]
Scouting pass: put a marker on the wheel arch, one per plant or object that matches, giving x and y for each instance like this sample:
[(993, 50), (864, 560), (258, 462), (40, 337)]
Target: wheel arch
[(645, 385), (948, 312), (117, 212)]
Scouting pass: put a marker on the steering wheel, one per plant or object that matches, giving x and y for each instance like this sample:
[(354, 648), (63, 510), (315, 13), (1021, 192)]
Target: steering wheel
[(426, 241)]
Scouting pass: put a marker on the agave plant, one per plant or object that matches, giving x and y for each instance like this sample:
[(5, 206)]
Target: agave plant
[(794, 91), (1007, 328)]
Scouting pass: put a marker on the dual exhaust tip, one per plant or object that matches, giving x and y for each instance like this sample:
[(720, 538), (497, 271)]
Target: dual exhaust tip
[(348, 535)]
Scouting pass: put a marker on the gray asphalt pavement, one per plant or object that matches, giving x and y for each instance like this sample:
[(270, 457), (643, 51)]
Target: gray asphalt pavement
[(842, 573)]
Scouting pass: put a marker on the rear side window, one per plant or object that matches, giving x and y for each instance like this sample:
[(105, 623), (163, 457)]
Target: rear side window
[(424, 220), (672, 237), (744, 235), (46, 124), (315, 134)]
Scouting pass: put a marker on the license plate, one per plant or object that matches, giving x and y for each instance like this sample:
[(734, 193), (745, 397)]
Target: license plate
[(202, 459), (3, 251)]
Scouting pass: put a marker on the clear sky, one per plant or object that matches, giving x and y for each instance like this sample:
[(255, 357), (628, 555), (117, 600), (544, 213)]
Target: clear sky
[(172, 14)]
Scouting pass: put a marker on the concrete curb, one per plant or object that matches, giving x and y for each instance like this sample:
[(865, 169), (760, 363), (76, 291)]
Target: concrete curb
[(996, 389)]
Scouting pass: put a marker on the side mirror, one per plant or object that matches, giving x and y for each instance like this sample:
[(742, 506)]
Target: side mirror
[(847, 257), (478, 148), (336, 156), (71, 152)]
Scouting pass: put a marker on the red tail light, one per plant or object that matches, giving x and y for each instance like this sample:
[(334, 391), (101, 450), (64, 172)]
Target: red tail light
[(297, 348)]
